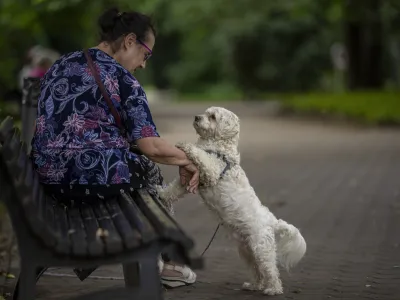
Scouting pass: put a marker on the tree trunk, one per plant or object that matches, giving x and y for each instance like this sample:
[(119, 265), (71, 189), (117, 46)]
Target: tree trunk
[(364, 42)]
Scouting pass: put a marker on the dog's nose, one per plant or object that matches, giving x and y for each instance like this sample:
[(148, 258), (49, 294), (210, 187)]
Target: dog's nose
[(197, 118)]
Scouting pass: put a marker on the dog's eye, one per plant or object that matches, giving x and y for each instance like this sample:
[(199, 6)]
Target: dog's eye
[(212, 117)]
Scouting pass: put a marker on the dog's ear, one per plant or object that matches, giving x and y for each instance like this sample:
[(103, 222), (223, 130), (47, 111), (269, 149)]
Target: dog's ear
[(228, 126)]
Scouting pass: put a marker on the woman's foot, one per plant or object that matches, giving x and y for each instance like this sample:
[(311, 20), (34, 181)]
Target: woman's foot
[(174, 275)]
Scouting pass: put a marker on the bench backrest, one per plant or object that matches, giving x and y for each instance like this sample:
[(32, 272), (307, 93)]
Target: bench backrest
[(21, 190)]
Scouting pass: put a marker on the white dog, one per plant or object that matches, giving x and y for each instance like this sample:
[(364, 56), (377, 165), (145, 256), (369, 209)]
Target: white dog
[(263, 240)]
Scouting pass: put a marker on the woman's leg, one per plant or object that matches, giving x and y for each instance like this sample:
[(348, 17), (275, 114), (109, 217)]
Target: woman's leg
[(173, 274)]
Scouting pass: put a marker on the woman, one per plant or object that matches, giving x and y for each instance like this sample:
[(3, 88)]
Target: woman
[(79, 147)]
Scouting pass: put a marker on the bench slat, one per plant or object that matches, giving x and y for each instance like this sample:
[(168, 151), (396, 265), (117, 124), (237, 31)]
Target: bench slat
[(13, 144), (40, 202), (22, 165), (95, 246), (35, 209), (130, 236), (21, 168), (41, 229), (77, 232), (107, 231), (29, 178), (161, 220), (56, 214), (37, 193), (6, 127), (136, 218)]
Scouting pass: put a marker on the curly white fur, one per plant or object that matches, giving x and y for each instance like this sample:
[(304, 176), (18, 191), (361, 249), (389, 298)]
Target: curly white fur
[(263, 240)]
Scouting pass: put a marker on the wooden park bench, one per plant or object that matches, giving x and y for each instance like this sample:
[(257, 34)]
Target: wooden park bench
[(131, 231)]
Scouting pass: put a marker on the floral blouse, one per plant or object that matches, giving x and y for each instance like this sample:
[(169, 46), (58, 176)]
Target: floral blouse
[(76, 139)]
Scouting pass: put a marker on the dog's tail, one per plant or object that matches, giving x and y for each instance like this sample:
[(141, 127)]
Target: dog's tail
[(291, 245)]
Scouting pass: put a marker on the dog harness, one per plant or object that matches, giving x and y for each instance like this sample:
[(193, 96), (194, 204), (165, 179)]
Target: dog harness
[(229, 164)]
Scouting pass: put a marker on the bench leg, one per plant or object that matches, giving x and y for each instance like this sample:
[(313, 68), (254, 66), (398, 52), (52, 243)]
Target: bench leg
[(39, 273), (26, 286), (144, 279)]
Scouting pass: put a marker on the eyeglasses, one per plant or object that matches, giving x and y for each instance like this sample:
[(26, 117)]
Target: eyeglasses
[(149, 53)]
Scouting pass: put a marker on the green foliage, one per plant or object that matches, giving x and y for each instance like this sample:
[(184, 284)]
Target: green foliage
[(9, 109), (218, 93), (251, 46), (368, 107)]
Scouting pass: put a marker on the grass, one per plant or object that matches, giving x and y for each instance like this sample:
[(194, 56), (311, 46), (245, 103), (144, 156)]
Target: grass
[(379, 108)]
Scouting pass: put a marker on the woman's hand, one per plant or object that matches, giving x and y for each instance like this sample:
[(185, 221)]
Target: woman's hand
[(159, 151), (189, 176)]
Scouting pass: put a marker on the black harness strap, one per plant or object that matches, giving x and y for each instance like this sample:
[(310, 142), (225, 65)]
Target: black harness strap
[(224, 159)]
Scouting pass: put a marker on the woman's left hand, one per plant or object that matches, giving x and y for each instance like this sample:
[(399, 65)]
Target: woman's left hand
[(190, 176)]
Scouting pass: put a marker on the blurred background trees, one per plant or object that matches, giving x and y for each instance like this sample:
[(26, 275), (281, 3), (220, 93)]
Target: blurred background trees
[(241, 47)]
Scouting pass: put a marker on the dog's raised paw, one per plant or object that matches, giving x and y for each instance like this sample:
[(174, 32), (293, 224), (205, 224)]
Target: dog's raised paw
[(183, 146)]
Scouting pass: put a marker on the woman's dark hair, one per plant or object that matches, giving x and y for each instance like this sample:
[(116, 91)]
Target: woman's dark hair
[(114, 24)]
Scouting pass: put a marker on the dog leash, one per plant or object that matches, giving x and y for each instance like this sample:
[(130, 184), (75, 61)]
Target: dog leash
[(211, 240)]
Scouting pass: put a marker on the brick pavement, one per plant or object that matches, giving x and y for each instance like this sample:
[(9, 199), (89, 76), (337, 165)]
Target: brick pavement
[(340, 186)]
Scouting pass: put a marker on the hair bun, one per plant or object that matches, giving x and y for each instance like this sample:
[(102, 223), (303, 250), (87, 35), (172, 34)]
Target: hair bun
[(107, 21), (114, 24)]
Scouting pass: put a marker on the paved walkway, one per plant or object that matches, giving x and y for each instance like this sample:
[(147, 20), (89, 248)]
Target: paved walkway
[(339, 185)]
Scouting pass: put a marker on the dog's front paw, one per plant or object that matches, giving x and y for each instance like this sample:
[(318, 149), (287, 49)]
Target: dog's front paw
[(184, 146), (190, 151)]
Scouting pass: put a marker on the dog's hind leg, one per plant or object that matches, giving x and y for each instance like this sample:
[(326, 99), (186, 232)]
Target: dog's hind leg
[(247, 256), (264, 250)]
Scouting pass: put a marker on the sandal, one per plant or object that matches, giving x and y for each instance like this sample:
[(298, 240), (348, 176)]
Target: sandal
[(186, 276)]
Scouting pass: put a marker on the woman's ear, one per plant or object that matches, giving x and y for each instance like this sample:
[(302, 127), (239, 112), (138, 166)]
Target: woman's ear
[(130, 40)]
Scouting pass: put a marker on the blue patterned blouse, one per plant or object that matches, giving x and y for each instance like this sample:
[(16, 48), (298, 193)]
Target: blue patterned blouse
[(76, 139)]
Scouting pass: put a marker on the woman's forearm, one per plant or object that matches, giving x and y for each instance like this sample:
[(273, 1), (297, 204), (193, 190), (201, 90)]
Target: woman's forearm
[(160, 151), (169, 160)]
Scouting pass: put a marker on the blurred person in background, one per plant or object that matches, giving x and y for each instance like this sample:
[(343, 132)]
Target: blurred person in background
[(36, 63), (40, 67), (27, 66)]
